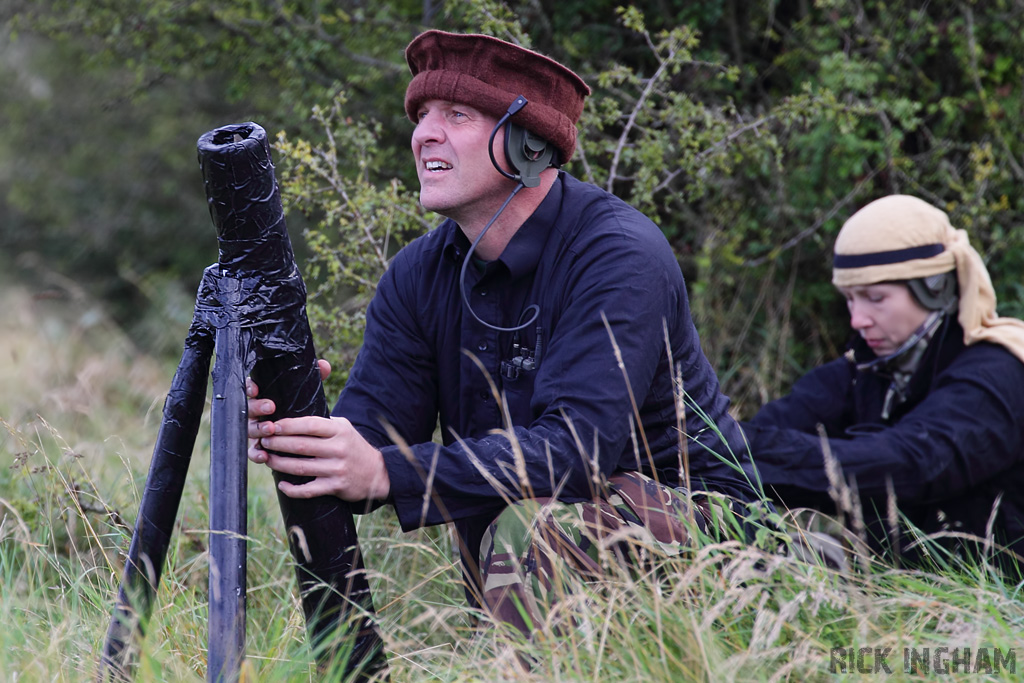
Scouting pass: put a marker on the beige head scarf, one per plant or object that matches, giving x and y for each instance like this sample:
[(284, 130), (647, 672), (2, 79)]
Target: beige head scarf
[(901, 238)]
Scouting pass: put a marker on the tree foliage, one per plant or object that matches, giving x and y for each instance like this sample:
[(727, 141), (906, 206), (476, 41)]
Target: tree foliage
[(748, 131)]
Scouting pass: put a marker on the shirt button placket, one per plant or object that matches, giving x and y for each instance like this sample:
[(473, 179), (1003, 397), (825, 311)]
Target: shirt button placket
[(486, 348)]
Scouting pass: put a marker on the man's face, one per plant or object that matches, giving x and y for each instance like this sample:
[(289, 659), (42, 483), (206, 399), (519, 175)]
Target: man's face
[(457, 178), (884, 314)]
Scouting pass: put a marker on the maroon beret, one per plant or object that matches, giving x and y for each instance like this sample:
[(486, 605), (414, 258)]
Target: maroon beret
[(488, 74)]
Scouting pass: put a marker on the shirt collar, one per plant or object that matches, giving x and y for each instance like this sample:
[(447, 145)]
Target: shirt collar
[(524, 249), (523, 252)]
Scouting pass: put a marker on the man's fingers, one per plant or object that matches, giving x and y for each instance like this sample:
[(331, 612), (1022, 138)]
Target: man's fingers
[(304, 445), (258, 407), (325, 369), (298, 466), (257, 429), (297, 435), (256, 452), (315, 488), (320, 427)]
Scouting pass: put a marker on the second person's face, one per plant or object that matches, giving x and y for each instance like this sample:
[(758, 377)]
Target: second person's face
[(884, 314)]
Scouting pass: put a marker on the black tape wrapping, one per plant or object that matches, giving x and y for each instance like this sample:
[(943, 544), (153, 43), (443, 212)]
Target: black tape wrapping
[(172, 453), (257, 272), (255, 291)]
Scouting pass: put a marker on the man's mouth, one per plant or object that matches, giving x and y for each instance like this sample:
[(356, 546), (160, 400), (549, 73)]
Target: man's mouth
[(437, 166)]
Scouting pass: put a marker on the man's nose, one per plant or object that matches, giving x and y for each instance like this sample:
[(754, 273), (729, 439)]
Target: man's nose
[(428, 129)]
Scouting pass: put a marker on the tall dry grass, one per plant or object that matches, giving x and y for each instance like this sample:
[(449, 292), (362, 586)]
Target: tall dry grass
[(80, 411)]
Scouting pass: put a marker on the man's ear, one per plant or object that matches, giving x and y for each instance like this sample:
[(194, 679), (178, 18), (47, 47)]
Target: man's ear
[(528, 154)]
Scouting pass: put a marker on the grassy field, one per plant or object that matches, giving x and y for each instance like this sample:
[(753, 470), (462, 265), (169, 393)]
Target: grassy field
[(80, 410)]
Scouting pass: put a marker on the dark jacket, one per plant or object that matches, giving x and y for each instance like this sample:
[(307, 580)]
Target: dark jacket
[(953, 450), (598, 393)]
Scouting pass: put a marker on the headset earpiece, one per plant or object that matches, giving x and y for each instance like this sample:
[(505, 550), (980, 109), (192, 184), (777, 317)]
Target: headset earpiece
[(528, 154), (936, 292)]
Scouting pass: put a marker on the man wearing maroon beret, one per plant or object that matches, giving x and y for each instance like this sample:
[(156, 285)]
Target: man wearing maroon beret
[(533, 325)]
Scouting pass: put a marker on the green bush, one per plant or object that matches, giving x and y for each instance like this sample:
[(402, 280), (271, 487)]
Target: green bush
[(748, 131)]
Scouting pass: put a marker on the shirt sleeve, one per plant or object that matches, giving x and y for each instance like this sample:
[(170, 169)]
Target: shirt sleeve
[(962, 434), (822, 396)]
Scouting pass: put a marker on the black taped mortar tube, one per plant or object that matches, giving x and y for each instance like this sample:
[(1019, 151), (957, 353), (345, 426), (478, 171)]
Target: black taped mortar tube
[(250, 315), (245, 205)]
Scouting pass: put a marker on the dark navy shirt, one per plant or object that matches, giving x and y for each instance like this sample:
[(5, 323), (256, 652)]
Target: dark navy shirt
[(600, 398)]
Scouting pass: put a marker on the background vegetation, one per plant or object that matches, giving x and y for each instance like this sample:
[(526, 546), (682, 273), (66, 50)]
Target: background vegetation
[(748, 130)]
